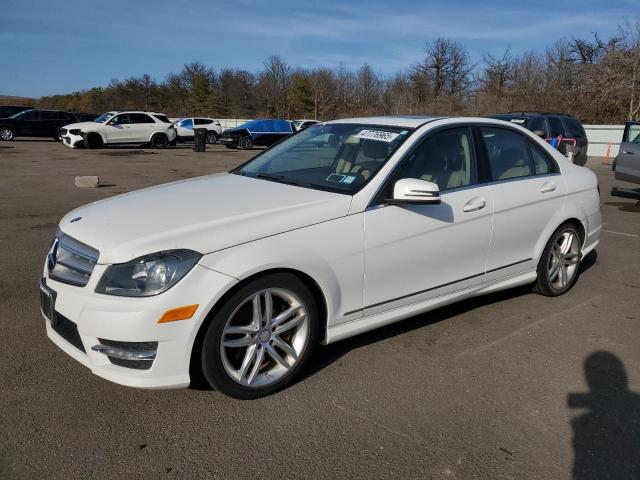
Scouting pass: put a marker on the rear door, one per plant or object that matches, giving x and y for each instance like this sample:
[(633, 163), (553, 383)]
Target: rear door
[(27, 123), (48, 123), (527, 191), (141, 126), (627, 164)]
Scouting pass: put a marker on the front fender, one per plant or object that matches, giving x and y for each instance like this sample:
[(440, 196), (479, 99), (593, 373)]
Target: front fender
[(331, 253)]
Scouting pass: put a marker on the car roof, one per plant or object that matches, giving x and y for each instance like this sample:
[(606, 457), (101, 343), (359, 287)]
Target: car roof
[(525, 113), (407, 121)]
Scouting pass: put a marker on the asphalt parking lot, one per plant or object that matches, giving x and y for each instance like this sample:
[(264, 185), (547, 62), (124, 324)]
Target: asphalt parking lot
[(490, 388)]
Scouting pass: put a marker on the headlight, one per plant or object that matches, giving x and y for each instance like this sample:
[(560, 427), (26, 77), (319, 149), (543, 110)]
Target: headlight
[(149, 275), (75, 131)]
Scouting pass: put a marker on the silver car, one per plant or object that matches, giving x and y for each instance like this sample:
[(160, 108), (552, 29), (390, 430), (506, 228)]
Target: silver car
[(627, 163)]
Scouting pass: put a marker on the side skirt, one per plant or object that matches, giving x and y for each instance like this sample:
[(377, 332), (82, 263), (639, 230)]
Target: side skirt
[(371, 322)]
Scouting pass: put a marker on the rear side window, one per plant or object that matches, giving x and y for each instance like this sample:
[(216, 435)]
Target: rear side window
[(574, 128), (140, 118), (542, 163), (202, 121), (63, 116), (163, 118), (555, 127), (281, 126), (46, 115), (507, 152)]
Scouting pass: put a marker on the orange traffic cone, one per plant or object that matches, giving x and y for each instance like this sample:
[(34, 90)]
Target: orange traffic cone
[(606, 157)]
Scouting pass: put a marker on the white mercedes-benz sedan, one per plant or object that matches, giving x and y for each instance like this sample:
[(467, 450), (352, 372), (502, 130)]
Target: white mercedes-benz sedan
[(344, 227)]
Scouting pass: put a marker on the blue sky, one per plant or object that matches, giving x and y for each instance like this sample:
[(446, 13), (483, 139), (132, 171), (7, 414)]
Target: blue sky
[(67, 45)]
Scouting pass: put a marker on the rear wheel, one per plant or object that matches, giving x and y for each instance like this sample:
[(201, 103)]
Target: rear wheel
[(93, 140), (212, 137), (6, 134), (261, 337), (558, 268), (246, 143), (159, 140)]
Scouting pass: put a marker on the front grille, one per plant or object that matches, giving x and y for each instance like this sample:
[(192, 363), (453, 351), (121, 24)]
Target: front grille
[(67, 330), (70, 261)]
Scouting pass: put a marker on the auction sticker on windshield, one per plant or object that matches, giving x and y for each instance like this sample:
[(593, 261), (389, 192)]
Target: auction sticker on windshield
[(379, 135)]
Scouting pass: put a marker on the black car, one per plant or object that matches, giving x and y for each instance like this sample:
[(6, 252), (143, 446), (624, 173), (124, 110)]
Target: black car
[(35, 123), (7, 110), (550, 126), (262, 133), (85, 117)]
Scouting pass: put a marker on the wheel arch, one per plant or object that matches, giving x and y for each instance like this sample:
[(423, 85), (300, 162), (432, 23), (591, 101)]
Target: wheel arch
[(572, 219), (95, 132), (319, 295)]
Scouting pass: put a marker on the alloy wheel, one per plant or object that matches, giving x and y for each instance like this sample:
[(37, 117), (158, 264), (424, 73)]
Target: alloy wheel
[(6, 134), (264, 337), (563, 264)]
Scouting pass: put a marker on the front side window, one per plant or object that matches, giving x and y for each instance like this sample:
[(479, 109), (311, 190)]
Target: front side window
[(122, 119), (338, 157), (633, 133), (445, 158), (162, 118), (202, 121), (187, 123), (507, 152), (28, 115)]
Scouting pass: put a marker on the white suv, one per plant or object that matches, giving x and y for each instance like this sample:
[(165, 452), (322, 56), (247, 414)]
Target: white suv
[(184, 128), (110, 128)]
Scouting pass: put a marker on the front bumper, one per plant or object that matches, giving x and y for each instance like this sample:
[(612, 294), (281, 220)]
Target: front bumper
[(101, 317), (72, 141)]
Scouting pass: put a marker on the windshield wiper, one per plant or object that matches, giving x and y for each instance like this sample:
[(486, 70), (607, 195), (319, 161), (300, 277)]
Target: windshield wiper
[(281, 179)]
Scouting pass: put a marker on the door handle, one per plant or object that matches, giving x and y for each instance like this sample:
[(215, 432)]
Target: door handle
[(627, 152), (548, 187), (477, 203)]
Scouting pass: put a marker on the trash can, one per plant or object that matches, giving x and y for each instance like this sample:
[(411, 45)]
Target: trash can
[(199, 139)]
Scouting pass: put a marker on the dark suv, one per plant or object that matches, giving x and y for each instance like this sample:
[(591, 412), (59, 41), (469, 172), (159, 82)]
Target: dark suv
[(7, 110), (35, 123), (552, 125)]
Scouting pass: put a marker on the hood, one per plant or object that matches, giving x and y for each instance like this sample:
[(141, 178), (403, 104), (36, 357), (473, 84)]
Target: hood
[(81, 125), (204, 214)]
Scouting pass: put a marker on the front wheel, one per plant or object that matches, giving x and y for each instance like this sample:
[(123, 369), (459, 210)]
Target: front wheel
[(6, 134), (261, 337), (558, 268), (246, 143), (212, 137)]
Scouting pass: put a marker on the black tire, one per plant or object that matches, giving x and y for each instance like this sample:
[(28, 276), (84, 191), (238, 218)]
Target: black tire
[(159, 140), (212, 137), (246, 143), (93, 140), (6, 134), (544, 285), (213, 368)]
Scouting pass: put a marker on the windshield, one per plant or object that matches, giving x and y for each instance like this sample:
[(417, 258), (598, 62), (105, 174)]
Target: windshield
[(339, 157), (104, 117)]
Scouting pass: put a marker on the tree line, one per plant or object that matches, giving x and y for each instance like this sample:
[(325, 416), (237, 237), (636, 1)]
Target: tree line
[(596, 79)]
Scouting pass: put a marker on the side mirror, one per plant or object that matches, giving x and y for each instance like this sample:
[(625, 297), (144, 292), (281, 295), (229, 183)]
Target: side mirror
[(540, 133), (415, 191)]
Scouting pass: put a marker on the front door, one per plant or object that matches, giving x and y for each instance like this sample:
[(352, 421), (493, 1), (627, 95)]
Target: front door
[(417, 252), (117, 130), (627, 165)]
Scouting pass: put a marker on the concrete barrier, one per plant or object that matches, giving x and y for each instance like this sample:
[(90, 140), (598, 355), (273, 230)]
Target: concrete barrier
[(600, 136)]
